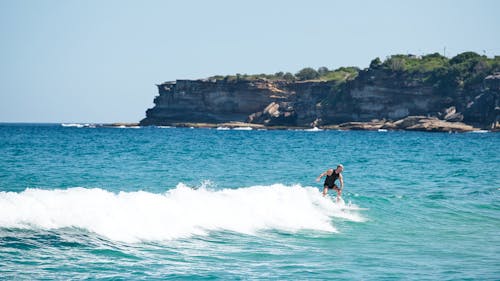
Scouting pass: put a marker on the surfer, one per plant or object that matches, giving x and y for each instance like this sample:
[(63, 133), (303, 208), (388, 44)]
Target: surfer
[(331, 177)]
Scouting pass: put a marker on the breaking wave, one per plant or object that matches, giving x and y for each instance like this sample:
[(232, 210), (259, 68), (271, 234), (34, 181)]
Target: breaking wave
[(178, 213)]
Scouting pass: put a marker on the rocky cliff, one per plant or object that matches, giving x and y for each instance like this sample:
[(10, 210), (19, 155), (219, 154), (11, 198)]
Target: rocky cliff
[(375, 93)]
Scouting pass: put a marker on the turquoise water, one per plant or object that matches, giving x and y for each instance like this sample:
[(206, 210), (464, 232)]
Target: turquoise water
[(179, 203)]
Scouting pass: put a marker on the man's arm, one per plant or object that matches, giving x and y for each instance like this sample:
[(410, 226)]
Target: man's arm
[(320, 176), (341, 180)]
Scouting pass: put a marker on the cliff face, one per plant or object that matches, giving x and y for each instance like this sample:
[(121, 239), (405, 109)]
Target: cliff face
[(374, 94), (377, 95), (210, 101)]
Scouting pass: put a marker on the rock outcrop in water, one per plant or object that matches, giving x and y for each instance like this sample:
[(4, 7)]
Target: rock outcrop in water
[(375, 99)]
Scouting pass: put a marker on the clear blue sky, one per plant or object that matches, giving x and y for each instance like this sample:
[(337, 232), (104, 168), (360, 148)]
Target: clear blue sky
[(99, 61)]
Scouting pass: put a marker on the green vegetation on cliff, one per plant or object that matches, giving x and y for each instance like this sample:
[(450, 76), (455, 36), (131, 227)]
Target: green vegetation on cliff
[(341, 74), (448, 76), (306, 74)]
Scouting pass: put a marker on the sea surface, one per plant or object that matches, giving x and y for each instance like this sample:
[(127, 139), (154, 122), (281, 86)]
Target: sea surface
[(201, 204)]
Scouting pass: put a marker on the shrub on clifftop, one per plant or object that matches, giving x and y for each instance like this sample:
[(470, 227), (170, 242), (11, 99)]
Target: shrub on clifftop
[(307, 73)]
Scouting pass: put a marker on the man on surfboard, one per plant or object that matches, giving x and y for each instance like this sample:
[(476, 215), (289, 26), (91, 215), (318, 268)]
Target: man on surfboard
[(331, 177)]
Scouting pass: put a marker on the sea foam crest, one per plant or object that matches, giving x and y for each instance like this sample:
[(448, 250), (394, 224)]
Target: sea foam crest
[(177, 213)]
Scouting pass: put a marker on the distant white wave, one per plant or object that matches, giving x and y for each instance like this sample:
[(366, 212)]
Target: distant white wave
[(180, 212), (223, 128), (243, 128), (128, 127), (315, 129), (165, 127), (78, 125)]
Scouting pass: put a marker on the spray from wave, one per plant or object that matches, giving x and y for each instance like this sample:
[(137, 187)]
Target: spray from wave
[(178, 213)]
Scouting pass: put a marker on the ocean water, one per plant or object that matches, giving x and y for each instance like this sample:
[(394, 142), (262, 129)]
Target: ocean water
[(180, 203)]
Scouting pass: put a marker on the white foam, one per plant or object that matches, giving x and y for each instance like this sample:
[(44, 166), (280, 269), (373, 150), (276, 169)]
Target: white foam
[(180, 212), (78, 125), (223, 128), (75, 125), (128, 127), (165, 127), (242, 128), (315, 129)]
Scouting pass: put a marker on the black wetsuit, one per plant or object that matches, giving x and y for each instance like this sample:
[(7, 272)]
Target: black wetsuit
[(330, 181)]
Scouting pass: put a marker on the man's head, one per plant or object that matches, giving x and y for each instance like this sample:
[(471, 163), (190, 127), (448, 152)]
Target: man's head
[(340, 168)]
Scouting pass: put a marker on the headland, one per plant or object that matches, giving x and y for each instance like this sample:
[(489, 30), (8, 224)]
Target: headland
[(404, 92)]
